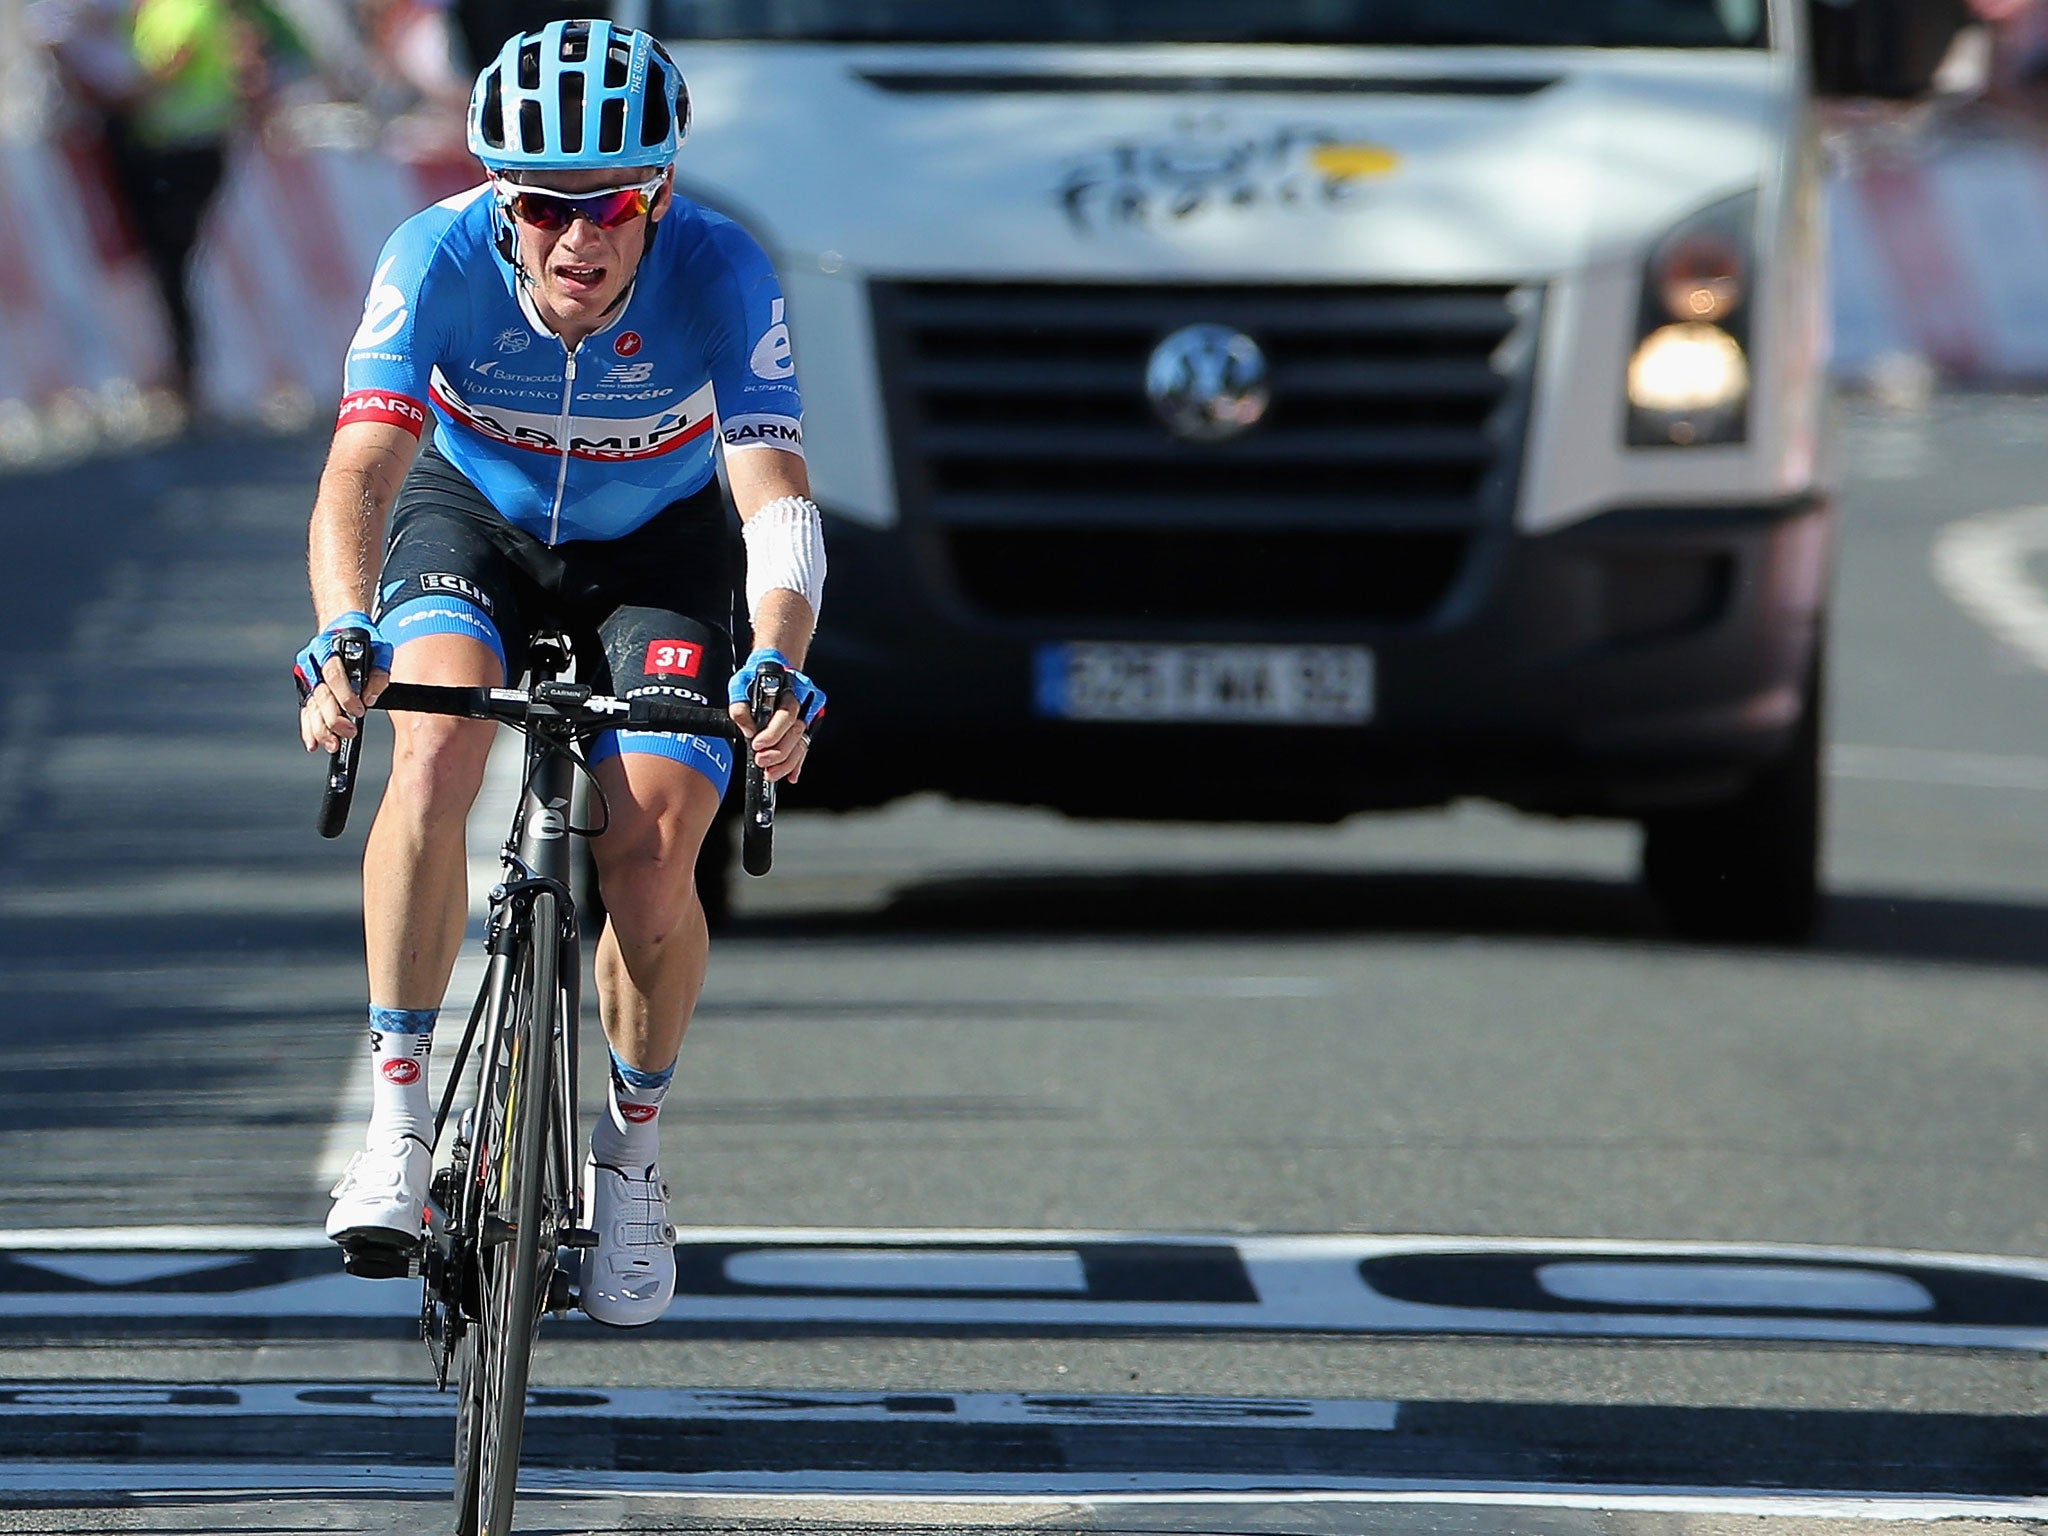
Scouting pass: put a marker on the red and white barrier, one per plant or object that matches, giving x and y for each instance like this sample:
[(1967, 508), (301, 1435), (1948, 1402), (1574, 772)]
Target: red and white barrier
[(293, 241), (277, 289), (1940, 252), (1939, 256)]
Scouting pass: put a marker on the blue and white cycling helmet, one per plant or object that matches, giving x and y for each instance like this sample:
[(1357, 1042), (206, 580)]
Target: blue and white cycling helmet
[(578, 96)]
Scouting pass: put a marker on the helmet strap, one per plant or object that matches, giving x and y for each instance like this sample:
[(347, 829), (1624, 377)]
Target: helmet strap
[(507, 240)]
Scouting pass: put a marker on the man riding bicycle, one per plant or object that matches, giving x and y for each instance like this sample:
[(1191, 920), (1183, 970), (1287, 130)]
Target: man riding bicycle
[(583, 341)]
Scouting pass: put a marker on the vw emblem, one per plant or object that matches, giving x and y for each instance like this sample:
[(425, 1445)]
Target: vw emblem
[(1207, 382)]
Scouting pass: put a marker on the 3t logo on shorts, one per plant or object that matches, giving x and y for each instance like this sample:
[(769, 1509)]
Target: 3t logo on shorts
[(677, 658)]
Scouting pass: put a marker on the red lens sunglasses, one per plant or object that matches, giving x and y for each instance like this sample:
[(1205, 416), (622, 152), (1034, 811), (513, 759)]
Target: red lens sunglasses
[(553, 212)]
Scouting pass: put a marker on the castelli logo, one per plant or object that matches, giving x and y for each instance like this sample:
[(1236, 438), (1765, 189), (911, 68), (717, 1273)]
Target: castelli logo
[(627, 344), (402, 1072), (639, 1114)]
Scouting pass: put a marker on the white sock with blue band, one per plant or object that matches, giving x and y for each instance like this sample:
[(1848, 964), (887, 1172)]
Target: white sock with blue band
[(628, 1134), (401, 1039)]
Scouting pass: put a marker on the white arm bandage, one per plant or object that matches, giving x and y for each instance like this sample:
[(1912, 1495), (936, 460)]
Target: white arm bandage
[(785, 552)]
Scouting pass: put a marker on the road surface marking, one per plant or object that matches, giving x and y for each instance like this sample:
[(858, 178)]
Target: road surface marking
[(1037, 1443), (1981, 562), (1053, 1495), (1057, 1281)]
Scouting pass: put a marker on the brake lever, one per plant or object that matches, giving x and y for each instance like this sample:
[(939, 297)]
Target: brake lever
[(757, 826)]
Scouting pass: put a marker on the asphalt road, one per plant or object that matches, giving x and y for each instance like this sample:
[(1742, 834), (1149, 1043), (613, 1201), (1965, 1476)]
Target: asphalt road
[(1457, 1026)]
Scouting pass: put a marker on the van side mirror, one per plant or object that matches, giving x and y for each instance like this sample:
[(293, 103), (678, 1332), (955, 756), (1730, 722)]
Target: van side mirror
[(1885, 48)]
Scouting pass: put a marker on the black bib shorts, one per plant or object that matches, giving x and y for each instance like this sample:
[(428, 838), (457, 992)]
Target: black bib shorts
[(650, 612)]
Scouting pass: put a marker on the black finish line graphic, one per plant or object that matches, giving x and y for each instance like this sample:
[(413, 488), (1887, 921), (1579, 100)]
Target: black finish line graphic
[(311, 1435), (1057, 1282)]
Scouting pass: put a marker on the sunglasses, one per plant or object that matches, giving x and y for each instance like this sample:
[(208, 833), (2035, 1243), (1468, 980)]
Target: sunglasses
[(553, 212)]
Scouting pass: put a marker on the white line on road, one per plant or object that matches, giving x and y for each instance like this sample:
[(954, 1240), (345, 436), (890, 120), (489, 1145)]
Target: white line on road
[(279, 1402), (1981, 562), (1054, 1494), (1338, 1283)]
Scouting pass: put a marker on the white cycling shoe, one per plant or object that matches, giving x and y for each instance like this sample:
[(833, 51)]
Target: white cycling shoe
[(629, 1278), (382, 1193)]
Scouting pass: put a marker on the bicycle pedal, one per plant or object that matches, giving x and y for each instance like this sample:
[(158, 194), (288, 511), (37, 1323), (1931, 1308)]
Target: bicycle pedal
[(380, 1261), (579, 1237), (561, 1298)]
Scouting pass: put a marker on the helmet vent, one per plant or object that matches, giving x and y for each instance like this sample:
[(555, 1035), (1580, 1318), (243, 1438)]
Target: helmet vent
[(493, 123), (572, 112), (676, 93), (581, 95)]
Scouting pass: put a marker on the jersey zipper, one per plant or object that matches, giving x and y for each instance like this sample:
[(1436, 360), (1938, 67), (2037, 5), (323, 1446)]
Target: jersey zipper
[(562, 475)]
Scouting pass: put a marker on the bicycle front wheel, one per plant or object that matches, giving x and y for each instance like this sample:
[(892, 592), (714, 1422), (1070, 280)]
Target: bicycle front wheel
[(514, 1243)]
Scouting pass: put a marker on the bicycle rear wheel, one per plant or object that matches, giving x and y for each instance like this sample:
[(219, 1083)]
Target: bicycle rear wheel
[(514, 1244)]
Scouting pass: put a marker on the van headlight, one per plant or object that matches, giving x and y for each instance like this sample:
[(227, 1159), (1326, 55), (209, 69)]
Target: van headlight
[(1688, 381)]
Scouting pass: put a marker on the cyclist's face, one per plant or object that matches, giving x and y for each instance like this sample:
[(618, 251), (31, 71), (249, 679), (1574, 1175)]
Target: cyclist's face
[(578, 272)]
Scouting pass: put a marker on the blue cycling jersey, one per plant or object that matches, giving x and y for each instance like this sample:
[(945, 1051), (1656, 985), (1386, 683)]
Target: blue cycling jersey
[(589, 444)]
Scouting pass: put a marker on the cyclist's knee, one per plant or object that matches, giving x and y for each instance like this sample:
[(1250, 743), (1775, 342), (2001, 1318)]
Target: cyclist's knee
[(647, 857), (648, 874), (437, 764)]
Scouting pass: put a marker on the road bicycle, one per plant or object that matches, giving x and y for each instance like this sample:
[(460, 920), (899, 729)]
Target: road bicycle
[(502, 1218)]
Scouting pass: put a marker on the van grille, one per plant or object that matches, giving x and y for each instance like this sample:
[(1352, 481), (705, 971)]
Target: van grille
[(1025, 443)]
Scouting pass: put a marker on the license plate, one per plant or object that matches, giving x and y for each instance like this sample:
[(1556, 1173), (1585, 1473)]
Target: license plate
[(1235, 684)]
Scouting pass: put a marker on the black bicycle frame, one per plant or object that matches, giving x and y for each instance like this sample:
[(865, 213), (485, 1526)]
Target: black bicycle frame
[(537, 857)]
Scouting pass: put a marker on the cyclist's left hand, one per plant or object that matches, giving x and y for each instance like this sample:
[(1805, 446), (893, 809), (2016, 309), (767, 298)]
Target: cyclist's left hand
[(781, 745), (331, 708)]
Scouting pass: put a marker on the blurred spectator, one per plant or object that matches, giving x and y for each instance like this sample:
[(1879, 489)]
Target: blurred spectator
[(423, 85), (202, 63), (90, 43), (172, 82), (2019, 52)]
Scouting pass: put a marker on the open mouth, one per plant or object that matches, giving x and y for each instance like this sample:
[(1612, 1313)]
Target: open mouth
[(577, 278)]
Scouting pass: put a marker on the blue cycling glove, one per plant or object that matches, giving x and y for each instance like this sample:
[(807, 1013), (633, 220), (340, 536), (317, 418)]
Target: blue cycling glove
[(810, 698), (311, 663)]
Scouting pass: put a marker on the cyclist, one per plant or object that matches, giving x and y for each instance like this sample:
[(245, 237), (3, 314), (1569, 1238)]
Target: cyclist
[(582, 340)]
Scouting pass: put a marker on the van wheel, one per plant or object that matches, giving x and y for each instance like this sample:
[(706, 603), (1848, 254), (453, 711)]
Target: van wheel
[(715, 862), (1747, 869)]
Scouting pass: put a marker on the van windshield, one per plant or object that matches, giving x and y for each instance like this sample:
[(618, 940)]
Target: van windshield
[(1472, 23)]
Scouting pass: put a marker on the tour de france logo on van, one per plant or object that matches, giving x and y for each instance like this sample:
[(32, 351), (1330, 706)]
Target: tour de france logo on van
[(1200, 175)]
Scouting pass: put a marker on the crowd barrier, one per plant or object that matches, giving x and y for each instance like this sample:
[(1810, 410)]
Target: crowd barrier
[(277, 290), (1939, 257)]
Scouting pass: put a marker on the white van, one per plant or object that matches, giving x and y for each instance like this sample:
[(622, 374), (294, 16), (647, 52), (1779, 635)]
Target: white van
[(1329, 404)]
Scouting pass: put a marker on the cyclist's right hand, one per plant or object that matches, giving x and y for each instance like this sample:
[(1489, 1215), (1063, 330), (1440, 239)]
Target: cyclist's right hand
[(331, 705)]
